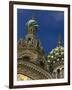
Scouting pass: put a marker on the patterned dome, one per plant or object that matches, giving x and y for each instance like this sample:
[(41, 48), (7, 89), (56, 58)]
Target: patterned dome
[(57, 54)]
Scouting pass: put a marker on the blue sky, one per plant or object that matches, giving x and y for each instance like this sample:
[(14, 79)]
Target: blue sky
[(51, 23)]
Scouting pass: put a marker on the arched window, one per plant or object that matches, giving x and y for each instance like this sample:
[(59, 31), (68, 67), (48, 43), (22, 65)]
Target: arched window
[(58, 73), (19, 58), (62, 73), (29, 39), (54, 74), (41, 63), (26, 58)]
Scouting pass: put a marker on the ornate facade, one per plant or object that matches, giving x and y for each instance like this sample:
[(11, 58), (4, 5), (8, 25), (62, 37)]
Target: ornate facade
[(32, 62)]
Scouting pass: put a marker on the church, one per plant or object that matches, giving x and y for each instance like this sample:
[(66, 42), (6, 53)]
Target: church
[(32, 64)]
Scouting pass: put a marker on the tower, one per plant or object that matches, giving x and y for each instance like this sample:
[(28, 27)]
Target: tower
[(56, 60)]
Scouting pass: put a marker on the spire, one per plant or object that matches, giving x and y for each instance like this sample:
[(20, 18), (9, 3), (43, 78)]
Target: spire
[(33, 17), (59, 40)]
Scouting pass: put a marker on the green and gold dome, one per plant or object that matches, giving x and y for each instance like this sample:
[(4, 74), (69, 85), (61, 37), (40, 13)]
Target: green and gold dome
[(55, 57), (57, 54)]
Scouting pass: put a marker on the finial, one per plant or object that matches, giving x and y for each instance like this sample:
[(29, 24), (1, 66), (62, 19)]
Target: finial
[(59, 40), (33, 17)]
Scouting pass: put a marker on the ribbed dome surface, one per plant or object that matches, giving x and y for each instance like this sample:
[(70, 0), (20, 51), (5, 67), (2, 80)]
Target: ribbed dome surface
[(57, 54), (31, 22)]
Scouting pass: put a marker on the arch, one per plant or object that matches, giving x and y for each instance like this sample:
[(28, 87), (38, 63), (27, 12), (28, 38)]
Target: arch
[(62, 72), (26, 58), (54, 74), (58, 73), (31, 70)]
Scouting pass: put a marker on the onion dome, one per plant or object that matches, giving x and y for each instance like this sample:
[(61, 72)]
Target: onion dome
[(57, 54), (32, 26), (31, 22)]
